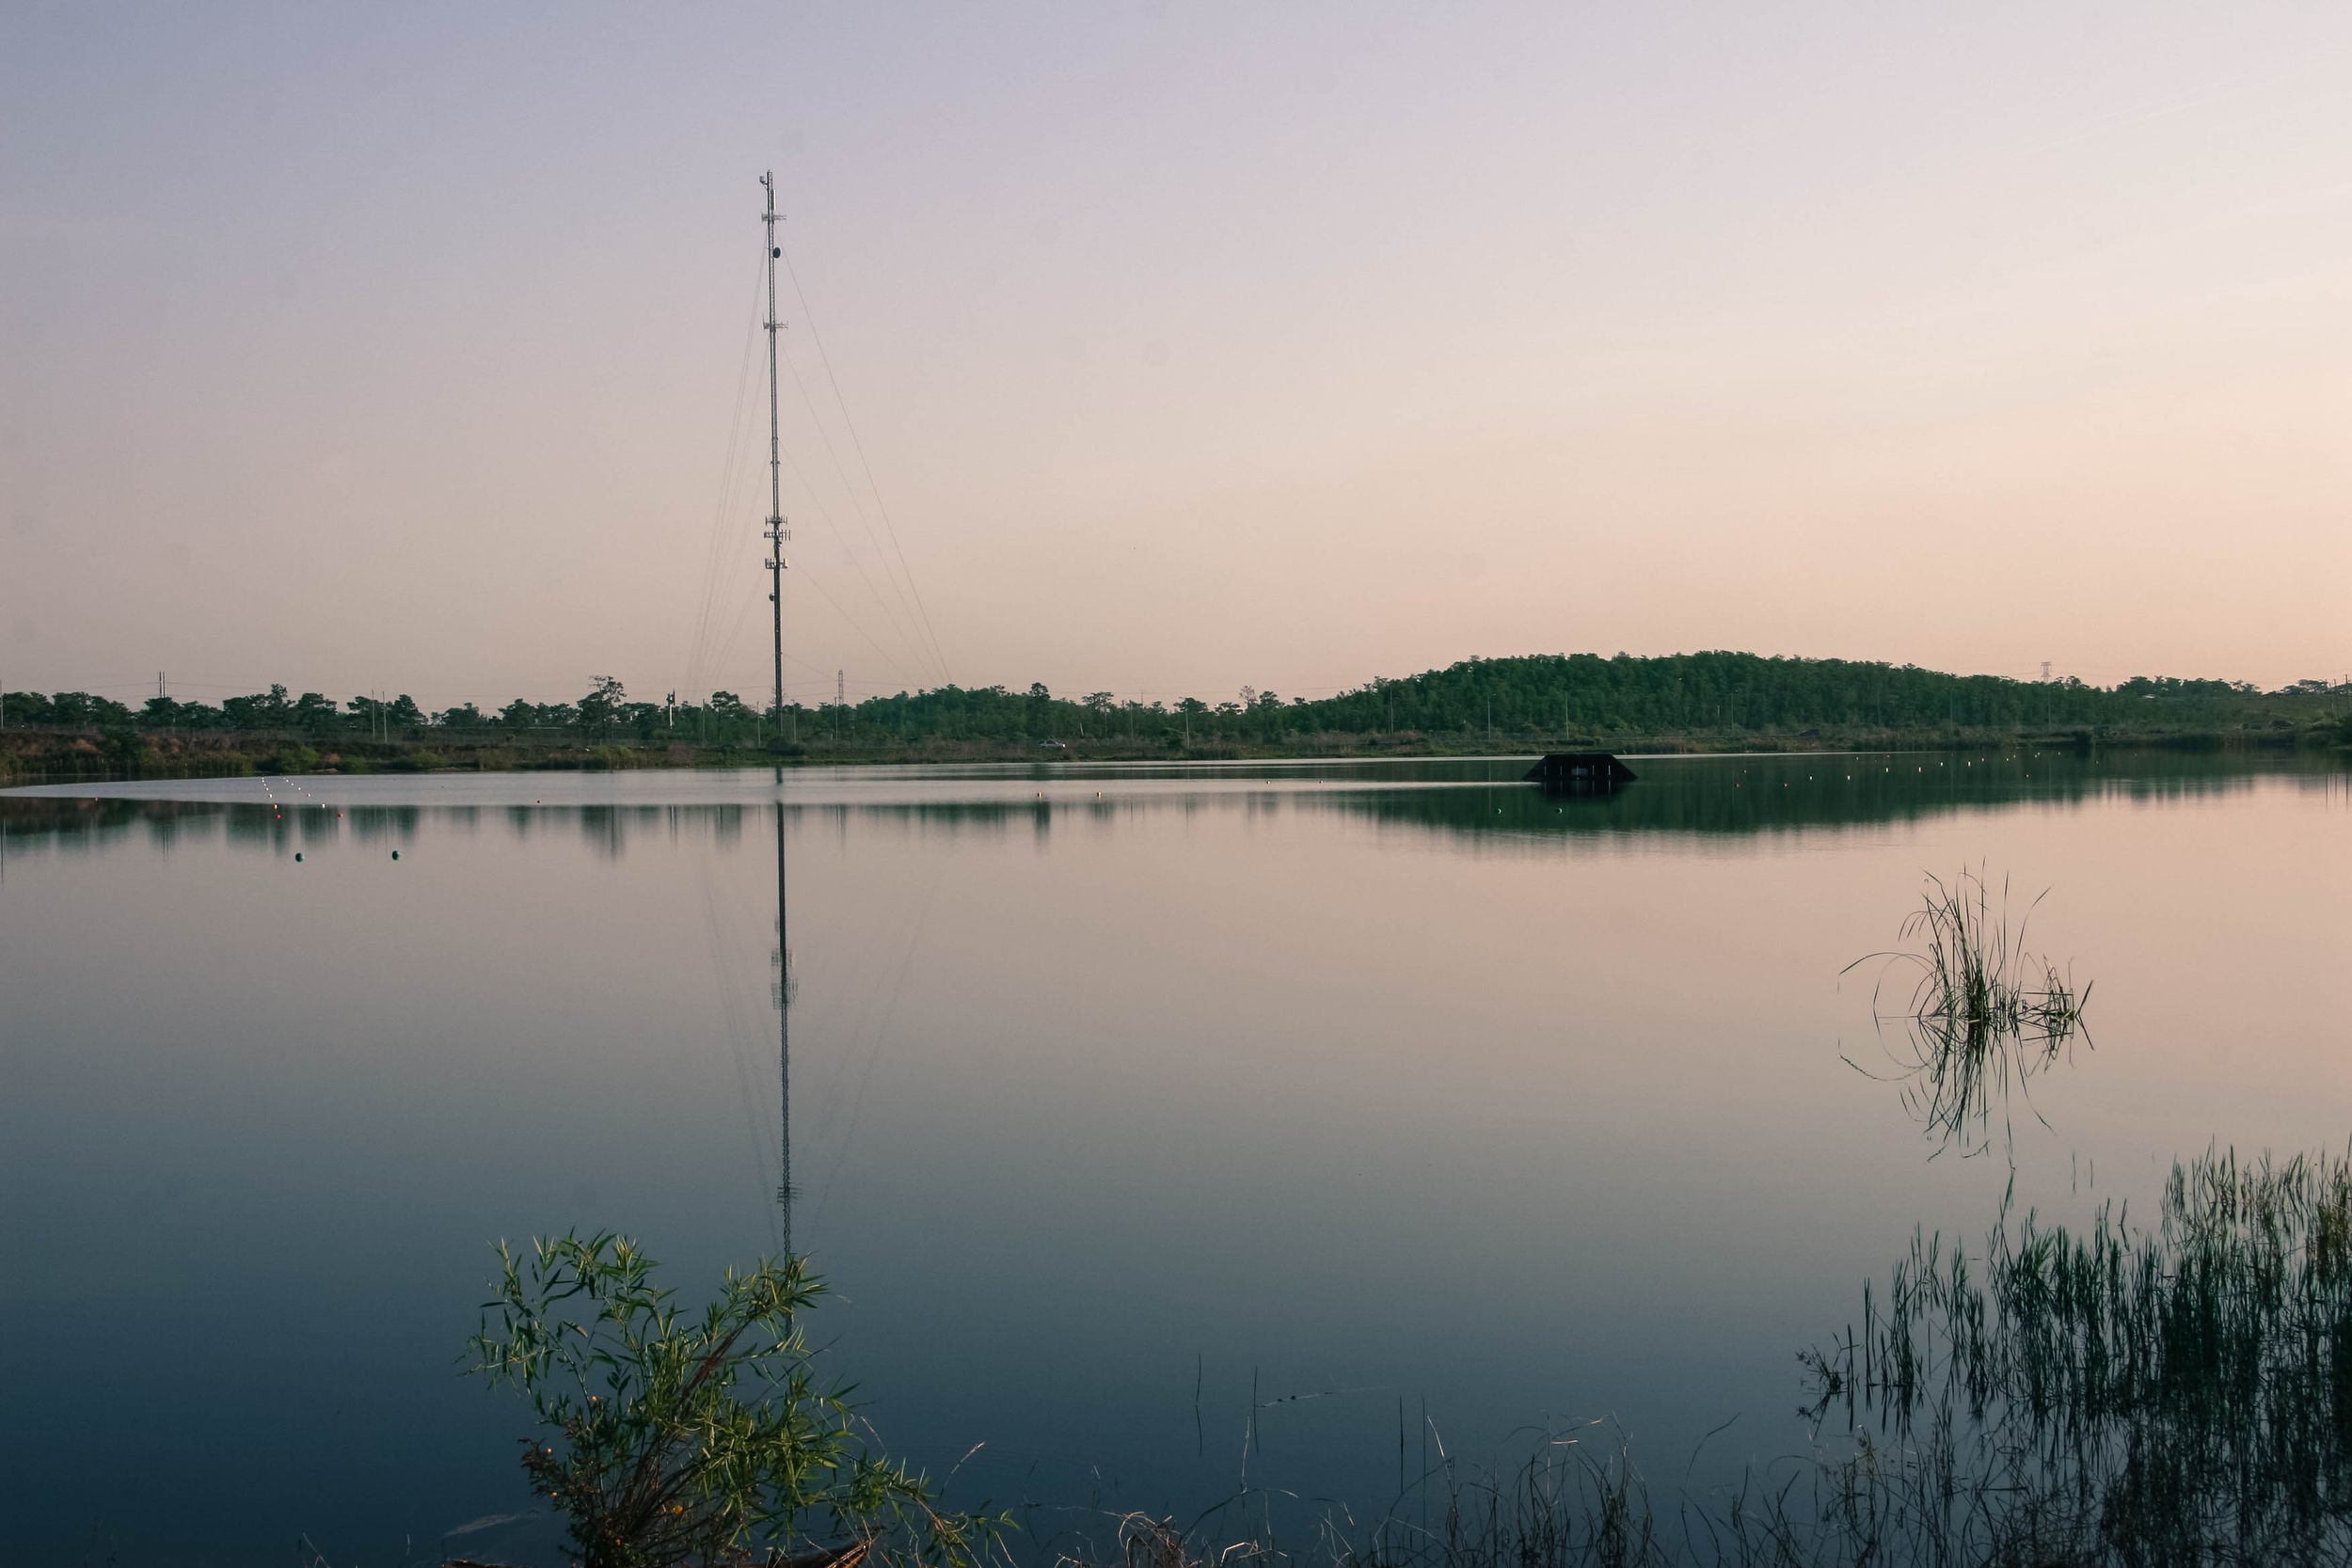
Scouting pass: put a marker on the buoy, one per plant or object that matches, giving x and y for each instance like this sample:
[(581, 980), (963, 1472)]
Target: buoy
[(395, 854), (297, 854)]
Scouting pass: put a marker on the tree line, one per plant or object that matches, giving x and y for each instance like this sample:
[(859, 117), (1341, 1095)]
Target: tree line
[(1565, 694), (604, 711), (1551, 695)]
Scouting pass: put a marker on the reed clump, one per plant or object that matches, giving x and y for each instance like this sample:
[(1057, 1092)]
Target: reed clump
[(1974, 976), (1983, 1015)]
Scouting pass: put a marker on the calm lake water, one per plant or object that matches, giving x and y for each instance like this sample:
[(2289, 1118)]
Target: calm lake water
[(1398, 1100)]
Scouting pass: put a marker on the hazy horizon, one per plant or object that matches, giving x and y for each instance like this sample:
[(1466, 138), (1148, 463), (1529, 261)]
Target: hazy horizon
[(1188, 348)]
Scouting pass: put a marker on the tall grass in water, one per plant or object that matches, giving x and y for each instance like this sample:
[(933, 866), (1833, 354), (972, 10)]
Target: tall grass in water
[(2180, 1395), (1973, 974), (1983, 1015), (2115, 1398), (1881, 1506), (1567, 1504)]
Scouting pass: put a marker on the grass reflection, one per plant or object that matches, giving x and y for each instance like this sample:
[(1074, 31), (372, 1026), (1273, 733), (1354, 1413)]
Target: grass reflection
[(2176, 1394)]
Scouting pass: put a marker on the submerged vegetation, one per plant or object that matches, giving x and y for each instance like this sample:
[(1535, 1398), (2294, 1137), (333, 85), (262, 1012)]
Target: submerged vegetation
[(673, 1438), (1983, 1015)]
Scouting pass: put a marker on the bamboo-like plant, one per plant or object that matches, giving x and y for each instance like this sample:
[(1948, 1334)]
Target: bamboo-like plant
[(672, 1438)]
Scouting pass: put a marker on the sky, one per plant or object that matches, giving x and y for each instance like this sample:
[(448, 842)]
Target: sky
[(1166, 349)]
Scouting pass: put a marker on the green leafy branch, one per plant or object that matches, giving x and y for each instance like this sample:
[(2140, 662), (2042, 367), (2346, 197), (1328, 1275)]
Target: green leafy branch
[(670, 1439)]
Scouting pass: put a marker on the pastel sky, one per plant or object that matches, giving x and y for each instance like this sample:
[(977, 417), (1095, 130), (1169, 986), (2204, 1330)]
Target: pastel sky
[(1181, 346)]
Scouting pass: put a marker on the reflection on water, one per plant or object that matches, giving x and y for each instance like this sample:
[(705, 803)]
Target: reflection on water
[(1727, 796), (2174, 1394), (1954, 1076), (1124, 1107), (784, 989)]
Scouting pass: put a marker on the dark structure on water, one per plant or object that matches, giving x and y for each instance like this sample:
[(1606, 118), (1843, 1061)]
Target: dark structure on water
[(1580, 770)]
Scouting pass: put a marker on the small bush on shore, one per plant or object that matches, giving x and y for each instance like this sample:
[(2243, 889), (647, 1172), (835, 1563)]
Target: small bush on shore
[(671, 1438)]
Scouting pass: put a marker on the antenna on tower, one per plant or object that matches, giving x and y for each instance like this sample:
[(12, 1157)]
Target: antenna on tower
[(777, 533), (2045, 670)]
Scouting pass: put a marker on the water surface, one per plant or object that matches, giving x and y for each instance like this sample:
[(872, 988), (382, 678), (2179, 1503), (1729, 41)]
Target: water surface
[(1426, 1106)]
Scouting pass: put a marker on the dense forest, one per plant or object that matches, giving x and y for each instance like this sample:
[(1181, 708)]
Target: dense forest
[(1528, 700)]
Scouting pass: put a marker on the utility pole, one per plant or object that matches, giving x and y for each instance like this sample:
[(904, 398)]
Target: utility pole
[(777, 533)]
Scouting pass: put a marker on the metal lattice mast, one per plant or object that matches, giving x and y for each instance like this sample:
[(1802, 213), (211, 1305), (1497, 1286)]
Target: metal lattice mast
[(777, 533)]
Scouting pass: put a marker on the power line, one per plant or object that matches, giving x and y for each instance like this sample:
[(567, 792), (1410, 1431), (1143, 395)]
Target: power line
[(730, 474), (822, 511), (858, 443), (912, 641)]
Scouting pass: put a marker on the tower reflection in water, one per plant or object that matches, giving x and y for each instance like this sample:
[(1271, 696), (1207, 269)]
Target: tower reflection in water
[(782, 987)]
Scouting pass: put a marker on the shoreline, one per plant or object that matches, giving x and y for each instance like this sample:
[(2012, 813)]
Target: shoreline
[(29, 757)]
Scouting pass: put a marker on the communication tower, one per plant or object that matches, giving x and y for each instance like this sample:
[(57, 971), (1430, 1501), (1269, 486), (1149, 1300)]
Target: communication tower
[(777, 533)]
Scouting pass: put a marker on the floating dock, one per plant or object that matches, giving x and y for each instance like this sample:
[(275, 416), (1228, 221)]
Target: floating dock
[(1580, 770)]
